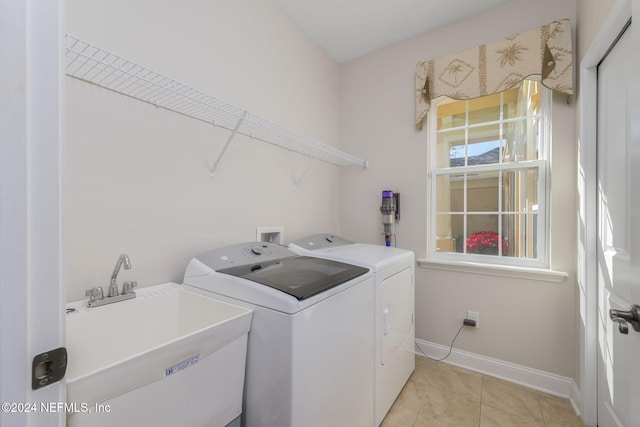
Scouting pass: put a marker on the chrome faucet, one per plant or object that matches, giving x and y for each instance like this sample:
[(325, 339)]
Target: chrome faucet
[(113, 287), (96, 296)]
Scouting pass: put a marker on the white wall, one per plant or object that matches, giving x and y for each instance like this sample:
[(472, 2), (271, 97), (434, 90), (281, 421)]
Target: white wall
[(137, 176), (591, 16), (525, 322)]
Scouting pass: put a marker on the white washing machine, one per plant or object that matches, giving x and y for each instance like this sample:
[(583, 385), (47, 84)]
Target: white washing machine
[(310, 351), (394, 282)]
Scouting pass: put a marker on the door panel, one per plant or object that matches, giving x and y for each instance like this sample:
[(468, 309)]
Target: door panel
[(396, 302), (616, 232)]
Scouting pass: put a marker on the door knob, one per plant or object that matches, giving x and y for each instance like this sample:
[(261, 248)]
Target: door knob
[(626, 316)]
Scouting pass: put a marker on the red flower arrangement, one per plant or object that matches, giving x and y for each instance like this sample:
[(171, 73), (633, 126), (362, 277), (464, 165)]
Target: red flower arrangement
[(485, 242)]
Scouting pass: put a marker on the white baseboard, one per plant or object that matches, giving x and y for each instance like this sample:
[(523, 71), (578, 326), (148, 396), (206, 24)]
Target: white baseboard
[(533, 378), (575, 398)]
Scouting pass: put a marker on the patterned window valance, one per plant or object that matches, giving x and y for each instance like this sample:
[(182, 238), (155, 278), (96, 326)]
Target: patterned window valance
[(494, 67)]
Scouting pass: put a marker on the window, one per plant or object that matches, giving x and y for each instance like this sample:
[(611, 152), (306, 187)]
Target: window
[(488, 177)]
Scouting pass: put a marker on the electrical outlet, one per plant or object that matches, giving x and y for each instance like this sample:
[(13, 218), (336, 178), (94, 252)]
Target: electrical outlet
[(475, 316)]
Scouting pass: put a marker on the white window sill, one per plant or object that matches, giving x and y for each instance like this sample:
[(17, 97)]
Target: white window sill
[(539, 274)]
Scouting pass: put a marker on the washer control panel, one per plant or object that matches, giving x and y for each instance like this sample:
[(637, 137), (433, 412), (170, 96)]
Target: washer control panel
[(244, 254), (321, 241)]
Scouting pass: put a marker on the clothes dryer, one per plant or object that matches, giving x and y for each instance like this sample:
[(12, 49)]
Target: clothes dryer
[(310, 349), (394, 284)]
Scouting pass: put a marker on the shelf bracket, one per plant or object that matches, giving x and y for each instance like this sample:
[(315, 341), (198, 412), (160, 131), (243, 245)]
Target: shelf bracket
[(297, 181), (212, 172)]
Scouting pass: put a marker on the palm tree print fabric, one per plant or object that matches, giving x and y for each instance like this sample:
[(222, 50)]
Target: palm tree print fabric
[(494, 67)]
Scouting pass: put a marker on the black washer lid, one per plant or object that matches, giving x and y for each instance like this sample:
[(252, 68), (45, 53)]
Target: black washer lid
[(299, 276)]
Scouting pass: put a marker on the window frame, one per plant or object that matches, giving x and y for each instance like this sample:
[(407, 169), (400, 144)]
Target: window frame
[(544, 197)]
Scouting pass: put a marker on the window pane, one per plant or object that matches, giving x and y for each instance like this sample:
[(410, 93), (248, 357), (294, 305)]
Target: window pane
[(522, 100), (451, 149), (482, 234), (520, 190), (484, 145), (450, 193), (451, 114), (521, 234), (447, 244), (522, 139), (482, 192), (484, 109), (448, 238)]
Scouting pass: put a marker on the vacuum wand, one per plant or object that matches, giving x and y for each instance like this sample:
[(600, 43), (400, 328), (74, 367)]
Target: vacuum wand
[(388, 210)]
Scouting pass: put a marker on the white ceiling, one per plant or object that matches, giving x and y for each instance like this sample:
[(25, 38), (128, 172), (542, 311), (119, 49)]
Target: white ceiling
[(347, 29)]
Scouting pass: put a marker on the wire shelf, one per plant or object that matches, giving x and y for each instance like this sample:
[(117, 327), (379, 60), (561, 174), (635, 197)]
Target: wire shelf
[(95, 65)]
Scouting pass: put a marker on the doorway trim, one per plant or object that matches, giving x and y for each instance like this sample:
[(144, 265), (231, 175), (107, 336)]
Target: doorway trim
[(32, 214), (587, 194)]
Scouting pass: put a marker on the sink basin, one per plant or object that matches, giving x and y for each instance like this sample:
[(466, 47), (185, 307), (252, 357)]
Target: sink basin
[(164, 334)]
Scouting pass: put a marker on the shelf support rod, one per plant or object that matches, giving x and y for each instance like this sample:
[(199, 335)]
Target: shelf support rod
[(212, 172), (297, 181)]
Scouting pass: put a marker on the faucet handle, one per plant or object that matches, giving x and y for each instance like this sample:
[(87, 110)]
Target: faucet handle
[(94, 294), (127, 287)]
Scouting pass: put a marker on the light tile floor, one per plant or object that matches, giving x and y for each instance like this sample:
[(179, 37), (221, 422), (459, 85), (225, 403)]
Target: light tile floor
[(439, 394)]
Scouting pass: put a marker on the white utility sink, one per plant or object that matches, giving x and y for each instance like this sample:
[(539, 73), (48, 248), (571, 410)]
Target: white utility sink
[(167, 349)]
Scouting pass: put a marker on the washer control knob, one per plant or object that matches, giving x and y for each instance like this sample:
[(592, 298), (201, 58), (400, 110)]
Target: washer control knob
[(256, 250)]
